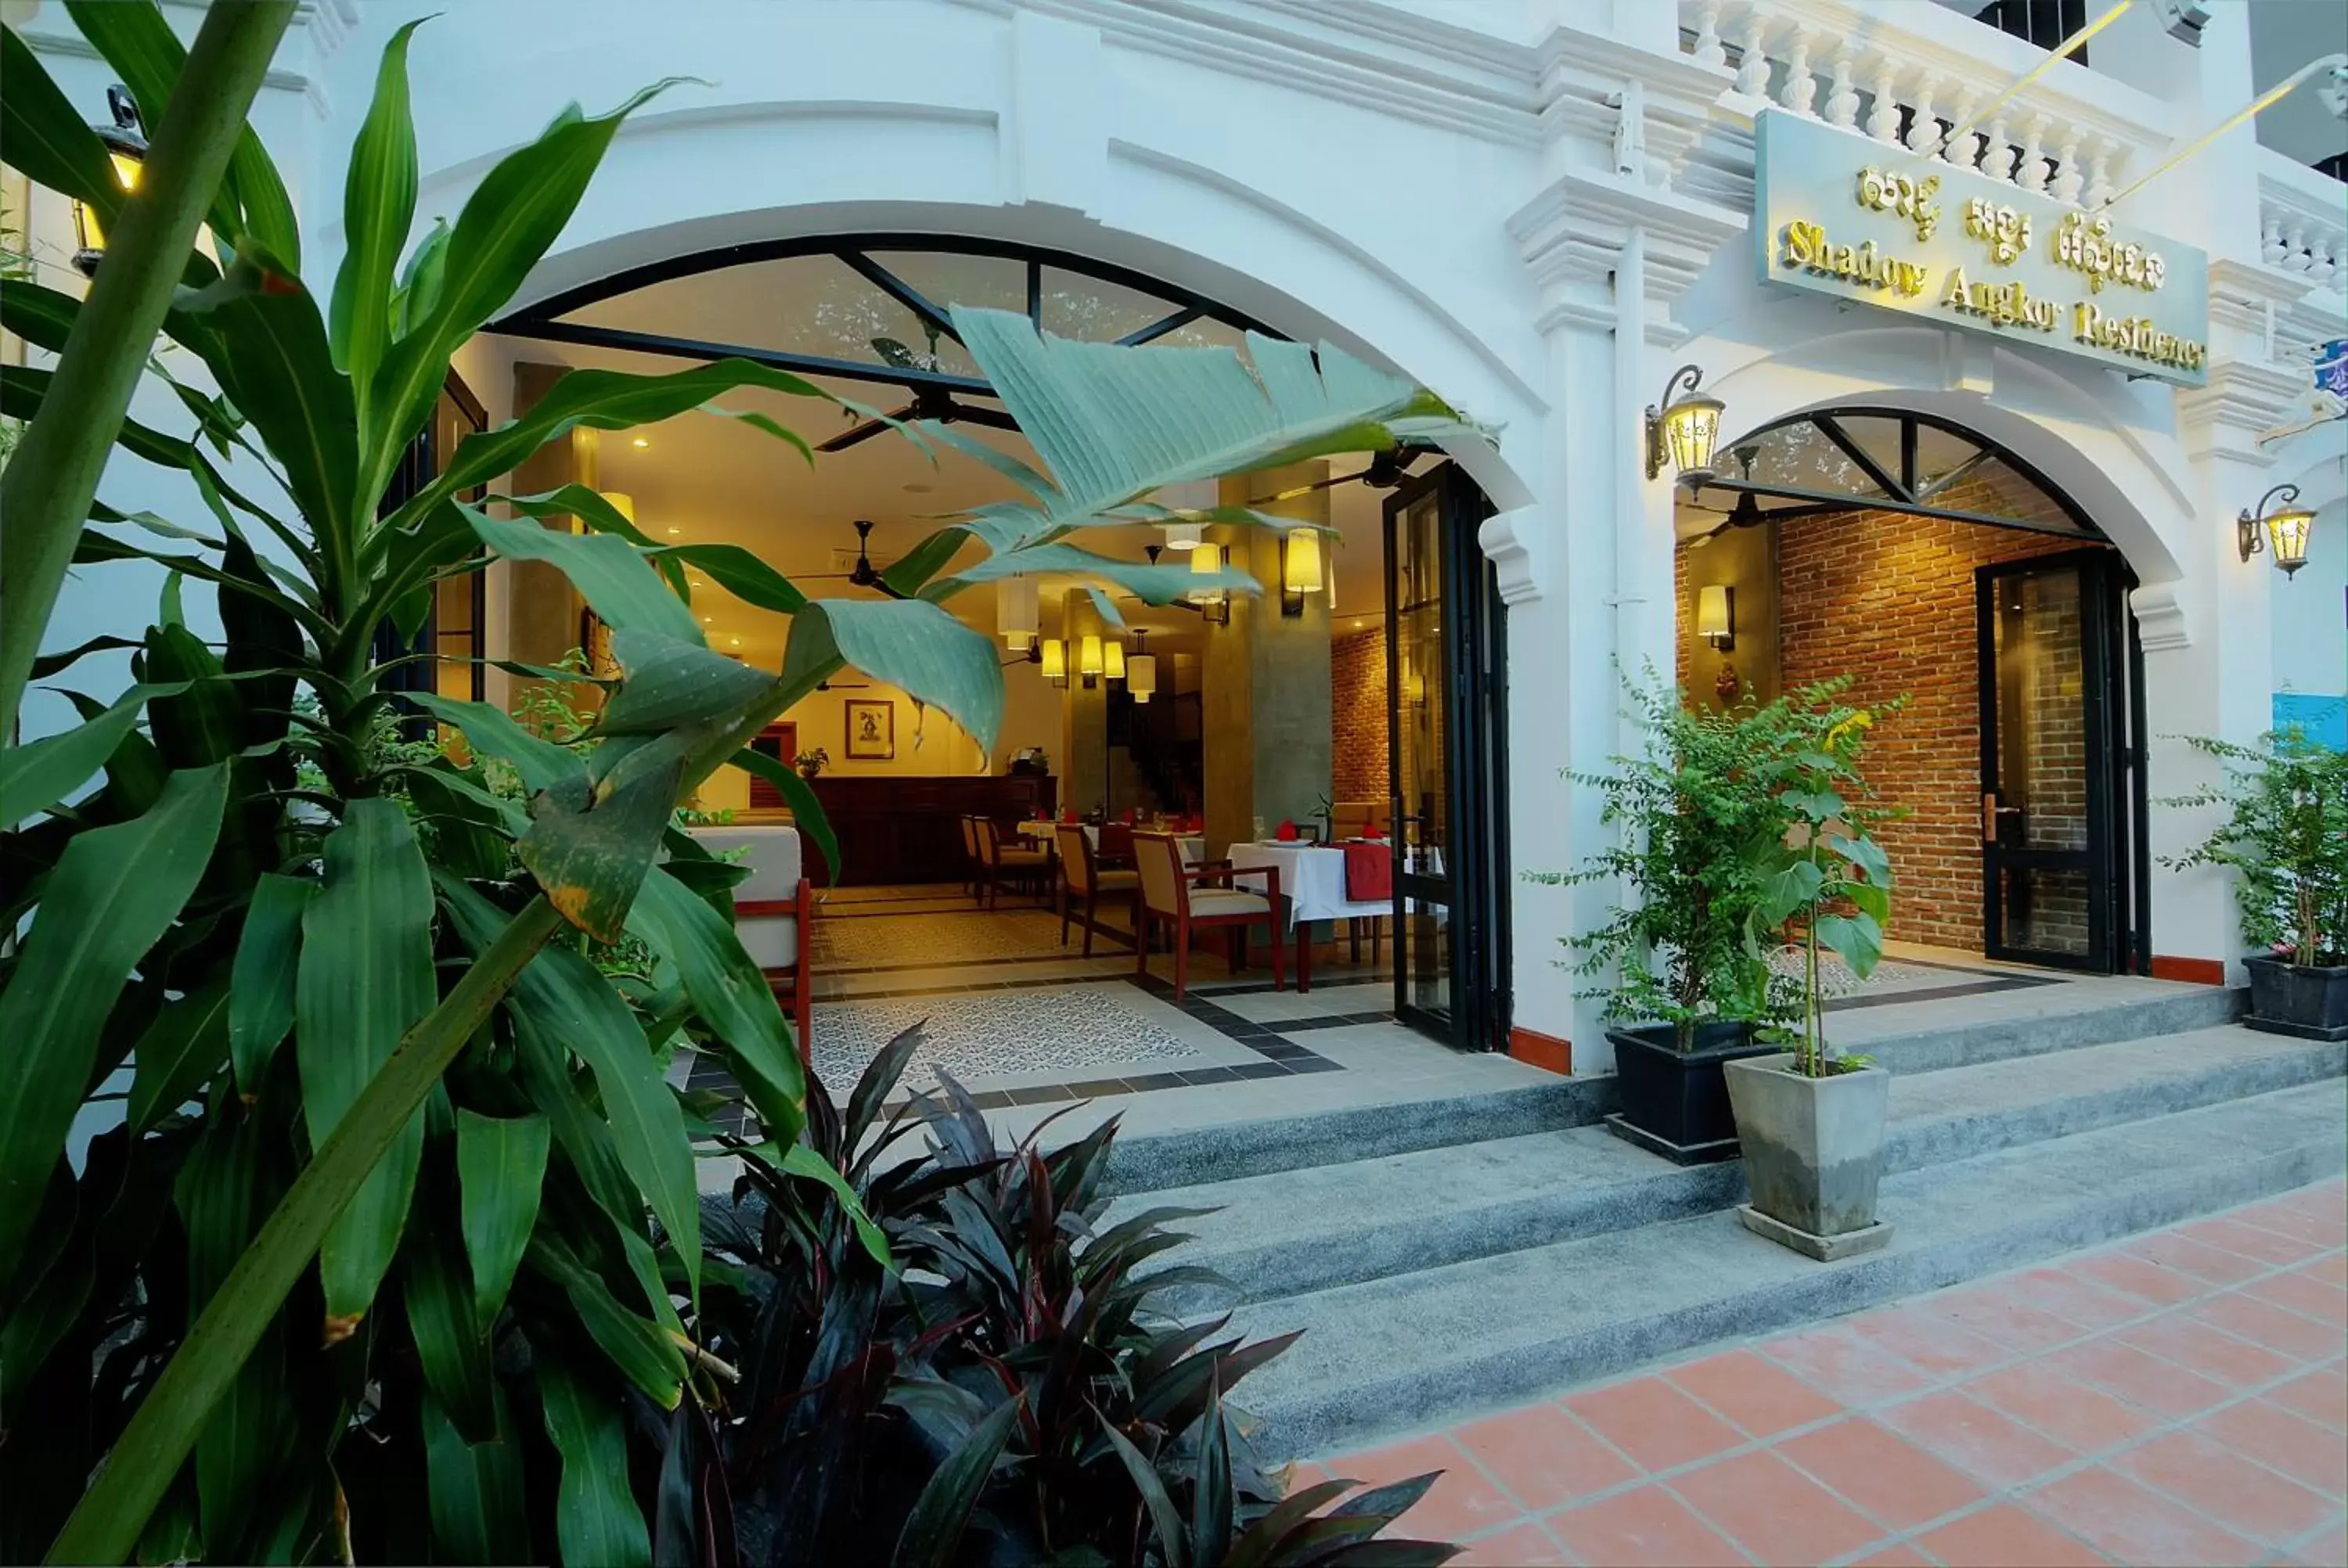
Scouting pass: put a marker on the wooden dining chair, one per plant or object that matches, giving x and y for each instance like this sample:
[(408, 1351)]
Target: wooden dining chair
[(774, 914), (998, 864), (1190, 897), (1082, 880), (973, 872)]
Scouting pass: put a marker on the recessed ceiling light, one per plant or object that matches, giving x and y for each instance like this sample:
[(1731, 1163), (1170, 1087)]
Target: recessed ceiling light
[(673, 532), (705, 620), (640, 441), (733, 642)]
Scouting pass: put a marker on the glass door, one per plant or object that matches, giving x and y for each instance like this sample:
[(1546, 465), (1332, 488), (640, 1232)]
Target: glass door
[(2047, 751), (1444, 714)]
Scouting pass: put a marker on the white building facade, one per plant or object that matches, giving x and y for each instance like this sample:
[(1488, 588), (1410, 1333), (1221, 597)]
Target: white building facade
[(1538, 208)]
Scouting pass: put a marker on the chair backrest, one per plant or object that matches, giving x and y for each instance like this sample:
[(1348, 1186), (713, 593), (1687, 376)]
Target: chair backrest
[(773, 854), (970, 838), (1159, 857), (1352, 819), (990, 846), (1075, 856), (1116, 840)]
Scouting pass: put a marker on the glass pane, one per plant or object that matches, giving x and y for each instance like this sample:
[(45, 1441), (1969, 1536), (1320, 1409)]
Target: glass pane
[(2045, 910), (1938, 454), (798, 305), (1995, 488), (1420, 697), (1206, 333), (1095, 309), (1878, 435), (1801, 456), (1426, 957), (2042, 750)]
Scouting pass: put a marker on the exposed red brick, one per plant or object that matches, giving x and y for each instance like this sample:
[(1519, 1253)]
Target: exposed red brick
[(1358, 712)]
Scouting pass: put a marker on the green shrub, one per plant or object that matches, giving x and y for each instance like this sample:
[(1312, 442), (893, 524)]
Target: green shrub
[(2286, 837)]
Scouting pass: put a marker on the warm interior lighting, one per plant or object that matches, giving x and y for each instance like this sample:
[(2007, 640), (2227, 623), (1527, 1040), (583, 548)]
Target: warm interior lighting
[(1017, 606), (1715, 614), (1192, 495), (1055, 660), (1300, 570), (1113, 660), (620, 502), (125, 149), (1088, 658), (1140, 669), (2279, 524), (640, 441), (1684, 430)]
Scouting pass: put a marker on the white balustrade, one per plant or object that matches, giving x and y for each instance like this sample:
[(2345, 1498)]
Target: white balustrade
[(2302, 223)]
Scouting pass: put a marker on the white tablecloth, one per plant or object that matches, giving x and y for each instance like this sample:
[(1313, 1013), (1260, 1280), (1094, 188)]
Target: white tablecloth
[(1192, 845), (1311, 877)]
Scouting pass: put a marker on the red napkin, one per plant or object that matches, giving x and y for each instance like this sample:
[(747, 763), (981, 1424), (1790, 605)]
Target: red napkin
[(1369, 872), (1128, 818), (1068, 814), (1287, 834)]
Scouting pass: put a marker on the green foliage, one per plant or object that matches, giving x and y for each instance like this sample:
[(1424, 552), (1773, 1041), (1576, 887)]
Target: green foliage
[(2286, 836)]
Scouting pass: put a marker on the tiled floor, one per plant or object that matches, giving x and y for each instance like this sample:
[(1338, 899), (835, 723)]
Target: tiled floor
[(2181, 1398)]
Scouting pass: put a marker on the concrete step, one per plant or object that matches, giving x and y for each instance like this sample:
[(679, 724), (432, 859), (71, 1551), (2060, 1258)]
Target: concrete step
[(1914, 1037), (1436, 1344), (1321, 1226)]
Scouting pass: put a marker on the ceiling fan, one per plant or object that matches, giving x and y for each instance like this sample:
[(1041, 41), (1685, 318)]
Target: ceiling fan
[(1386, 471), (1747, 512), (864, 574), (933, 402)]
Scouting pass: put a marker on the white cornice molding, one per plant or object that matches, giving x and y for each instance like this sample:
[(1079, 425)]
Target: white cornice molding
[(324, 23), (2160, 620), (1573, 232), (2242, 396), (1504, 539)]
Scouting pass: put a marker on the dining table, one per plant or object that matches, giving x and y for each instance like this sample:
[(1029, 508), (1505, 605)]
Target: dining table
[(1193, 845), (1313, 881)]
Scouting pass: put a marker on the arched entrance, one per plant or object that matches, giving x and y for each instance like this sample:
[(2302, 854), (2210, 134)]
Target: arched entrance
[(1926, 562)]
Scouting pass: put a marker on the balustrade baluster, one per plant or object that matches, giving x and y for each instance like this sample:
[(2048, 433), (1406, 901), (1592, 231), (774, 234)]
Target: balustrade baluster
[(1708, 50), (1842, 97), (2030, 173), (1997, 152), (2295, 257), (2068, 176), (2099, 173), (2271, 247), (1964, 151), (1883, 114), (1753, 67), (1800, 86), (1923, 125)]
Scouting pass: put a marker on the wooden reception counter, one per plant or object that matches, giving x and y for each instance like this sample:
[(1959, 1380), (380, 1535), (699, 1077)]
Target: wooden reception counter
[(895, 830)]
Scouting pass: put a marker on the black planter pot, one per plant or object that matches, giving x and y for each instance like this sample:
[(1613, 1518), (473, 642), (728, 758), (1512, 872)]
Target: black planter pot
[(2298, 999), (1674, 1102)]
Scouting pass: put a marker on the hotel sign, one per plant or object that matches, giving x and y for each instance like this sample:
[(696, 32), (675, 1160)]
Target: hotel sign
[(1868, 220)]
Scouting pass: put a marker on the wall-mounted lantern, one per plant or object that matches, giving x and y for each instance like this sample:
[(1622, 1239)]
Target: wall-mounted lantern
[(1140, 669), (1214, 603), (1019, 606), (2283, 529), (1055, 662), (1300, 570), (1683, 429), (126, 149), (1715, 615), (1088, 660), (1113, 660)]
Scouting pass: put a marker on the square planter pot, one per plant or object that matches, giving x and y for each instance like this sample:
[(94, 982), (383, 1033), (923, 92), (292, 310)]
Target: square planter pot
[(1813, 1154), (2298, 999), (1674, 1102)]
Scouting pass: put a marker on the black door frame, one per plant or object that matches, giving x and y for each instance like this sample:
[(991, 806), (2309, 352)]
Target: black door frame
[(2111, 703), (1475, 883)]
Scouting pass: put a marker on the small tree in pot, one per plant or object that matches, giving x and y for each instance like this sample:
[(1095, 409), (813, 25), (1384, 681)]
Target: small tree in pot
[(1693, 822), (1811, 1123), (2286, 836)]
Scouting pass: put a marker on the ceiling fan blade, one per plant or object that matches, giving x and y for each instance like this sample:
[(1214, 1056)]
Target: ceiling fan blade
[(866, 431), (993, 418)]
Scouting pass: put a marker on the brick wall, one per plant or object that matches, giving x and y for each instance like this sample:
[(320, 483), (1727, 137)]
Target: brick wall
[(1357, 715)]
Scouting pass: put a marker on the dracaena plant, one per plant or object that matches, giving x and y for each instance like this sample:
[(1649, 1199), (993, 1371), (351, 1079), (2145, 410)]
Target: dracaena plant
[(2286, 837), (399, 1212)]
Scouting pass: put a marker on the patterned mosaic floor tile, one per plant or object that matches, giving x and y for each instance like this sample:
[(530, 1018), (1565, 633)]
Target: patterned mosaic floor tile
[(996, 1034)]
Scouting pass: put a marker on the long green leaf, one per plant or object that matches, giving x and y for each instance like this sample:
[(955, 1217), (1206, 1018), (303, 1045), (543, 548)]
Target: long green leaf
[(596, 1520), (806, 810), (365, 979), (451, 1346), (800, 1161), (186, 1044), (378, 205), (50, 141), (1164, 1519), (501, 1174), (544, 765), (638, 1348), (113, 892), (478, 1511), (670, 684), (934, 1529), (732, 997), (911, 644), (1150, 583), (35, 776), (616, 581), (268, 952)]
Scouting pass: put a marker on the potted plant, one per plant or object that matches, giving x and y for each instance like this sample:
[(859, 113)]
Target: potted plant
[(2287, 837), (1691, 819), (812, 761), (1812, 1122)]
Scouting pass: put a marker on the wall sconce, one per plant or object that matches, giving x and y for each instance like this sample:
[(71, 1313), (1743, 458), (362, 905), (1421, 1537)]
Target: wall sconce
[(1088, 660), (1017, 612), (2285, 529), (1113, 660), (1684, 430), (1214, 603), (1140, 669), (1715, 615), (126, 149), (1055, 662), (1300, 570)]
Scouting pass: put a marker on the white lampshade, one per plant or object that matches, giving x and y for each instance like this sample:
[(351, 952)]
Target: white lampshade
[(1141, 676), (1017, 605), (1302, 567), (1191, 495), (1206, 561), (1715, 620)]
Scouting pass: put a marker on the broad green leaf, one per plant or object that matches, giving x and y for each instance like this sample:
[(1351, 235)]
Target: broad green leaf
[(732, 997), (44, 138), (798, 1160), (741, 574), (563, 997), (501, 1172), (1792, 887), (1867, 854), (378, 205), (638, 1348), (180, 1052), (364, 979), (616, 581), (596, 1520), (669, 684), (23, 388), (806, 811), (911, 644), (1856, 938), (41, 316), (544, 765), (1813, 805), (418, 294), (203, 722), (934, 1529), (1152, 584), (450, 1344), (478, 1510), (113, 892), (260, 1000), (37, 775)]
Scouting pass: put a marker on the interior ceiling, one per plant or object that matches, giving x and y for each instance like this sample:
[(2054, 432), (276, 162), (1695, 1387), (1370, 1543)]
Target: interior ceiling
[(702, 478)]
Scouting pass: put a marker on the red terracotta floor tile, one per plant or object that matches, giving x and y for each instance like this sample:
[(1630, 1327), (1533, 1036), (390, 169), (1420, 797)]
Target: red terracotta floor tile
[(1653, 1422), (1924, 1339), (2320, 1396), (1976, 1438), (2153, 1281), (2137, 1526), (1543, 1456), (2332, 1270), (1774, 1510), (2062, 1407), (2329, 1548), (2263, 1322), (2143, 1380), (2205, 1474), (1757, 1394), (1646, 1525), (2326, 1230), (2081, 1300), (2008, 1537), (2307, 1451), (2004, 1313), (1845, 1367), (2307, 1296), (1525, 1545), (2216, 1265), (2251, 1241), (1893, 1557), (1461, 1503), (2211, 1351), (1890, 1478)]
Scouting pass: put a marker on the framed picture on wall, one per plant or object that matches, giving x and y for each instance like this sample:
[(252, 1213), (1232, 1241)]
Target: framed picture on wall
[(872, 731)]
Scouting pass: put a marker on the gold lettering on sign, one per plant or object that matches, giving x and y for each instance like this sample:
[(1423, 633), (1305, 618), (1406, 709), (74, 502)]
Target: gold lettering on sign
[(2001, 304), (1903, 195), (2004, 230), (2084, 245), (1806, 245), (2138, 336)]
